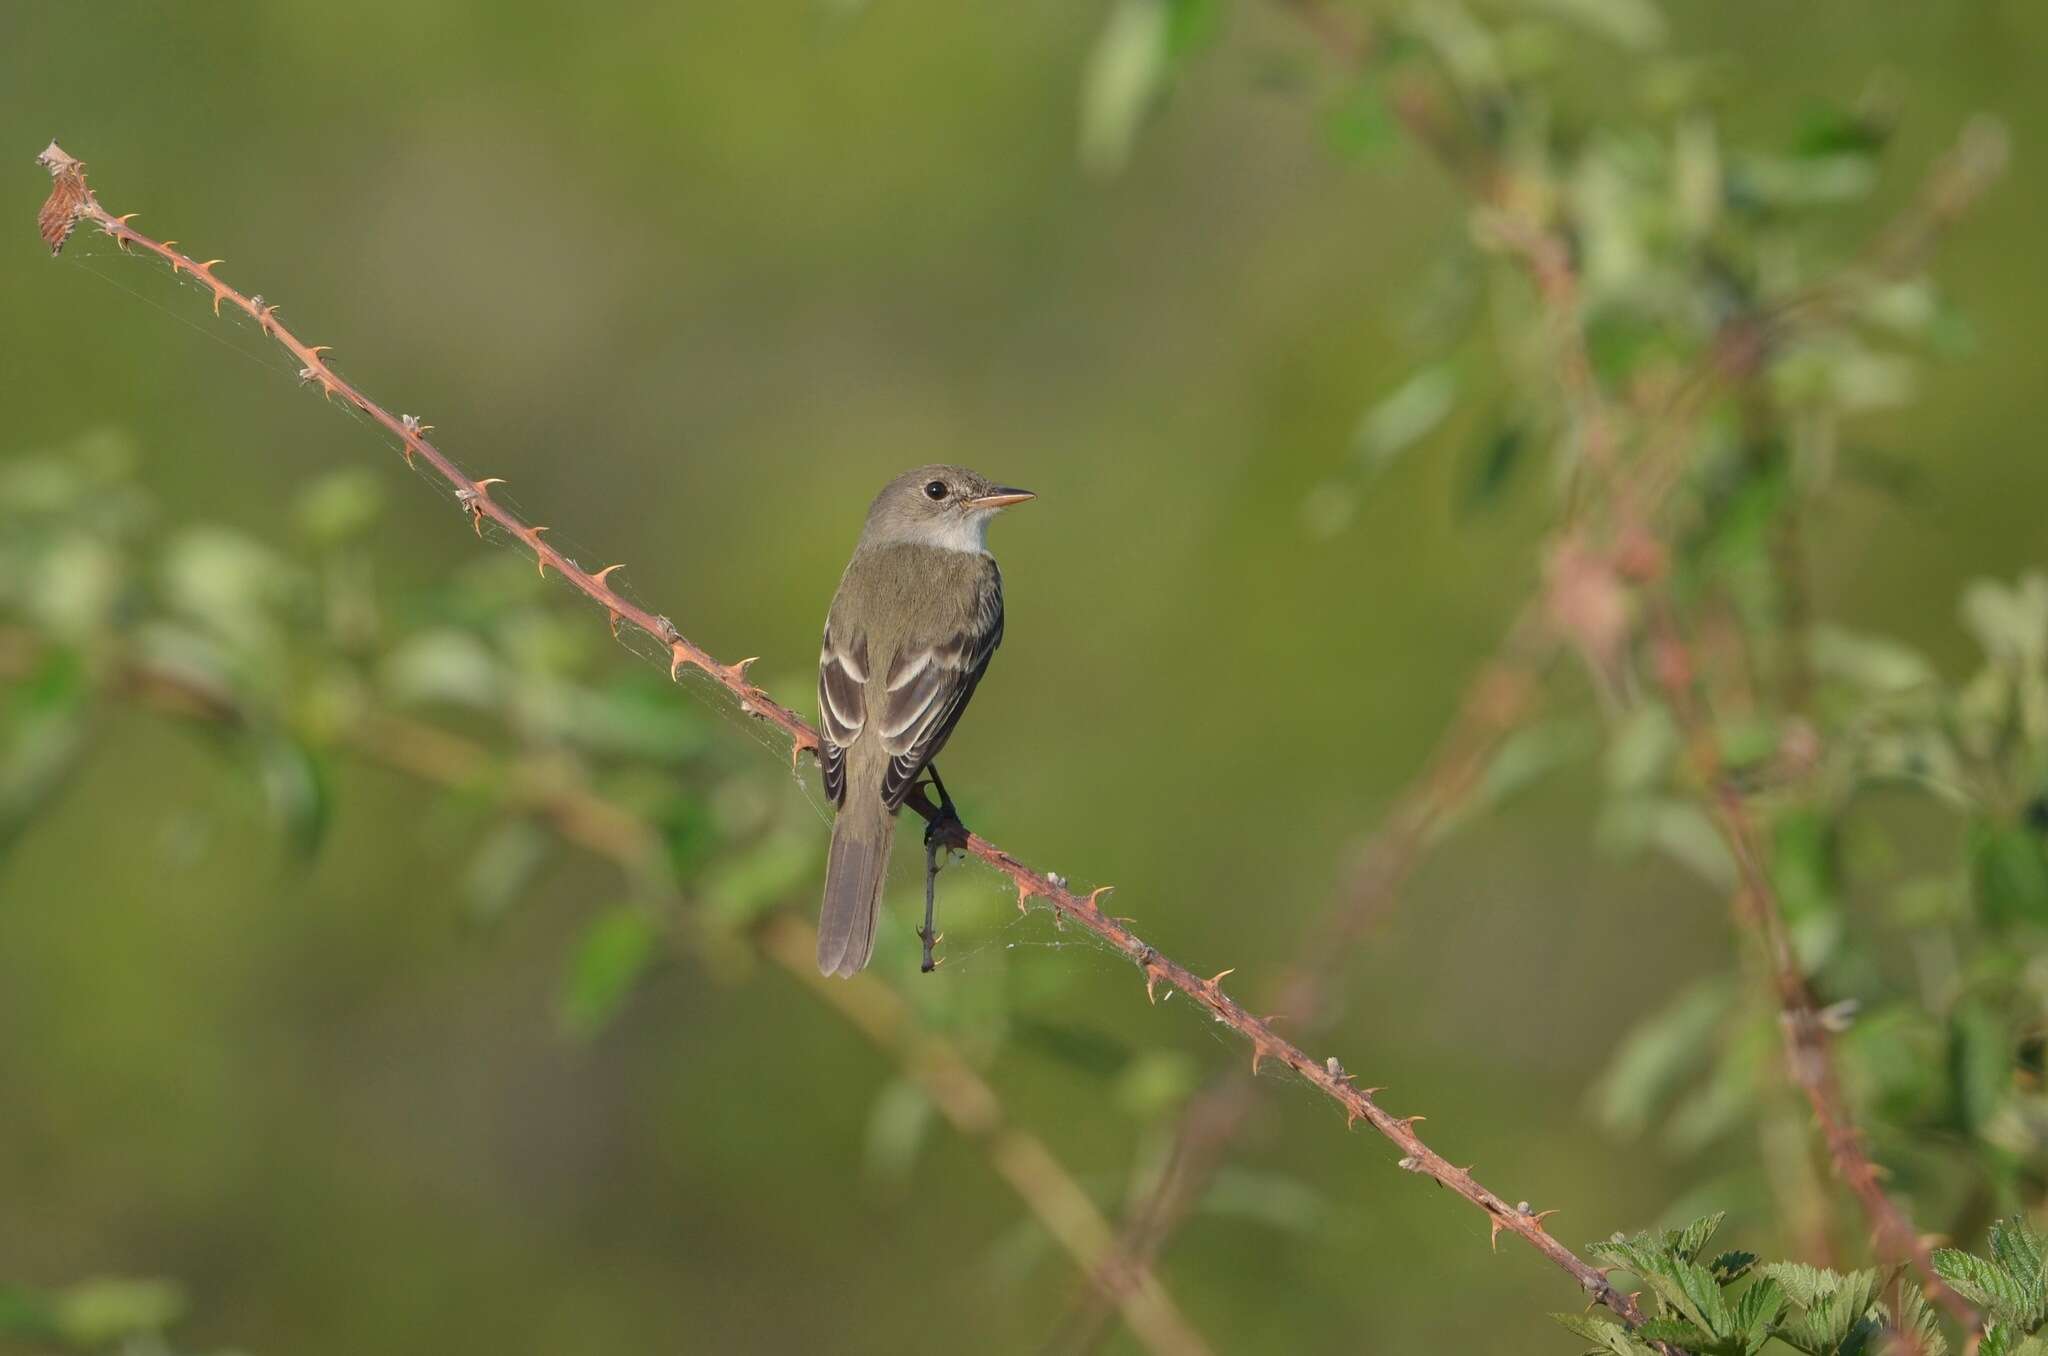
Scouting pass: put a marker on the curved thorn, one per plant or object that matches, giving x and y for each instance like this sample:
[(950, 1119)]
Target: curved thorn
[(599, 579)]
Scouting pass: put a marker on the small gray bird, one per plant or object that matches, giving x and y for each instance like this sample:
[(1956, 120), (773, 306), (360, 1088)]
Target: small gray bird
[(918, 614)]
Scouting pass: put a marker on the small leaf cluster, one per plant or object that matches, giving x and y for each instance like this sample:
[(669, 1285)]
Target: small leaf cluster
[(1733, 1305), (2010, 1287)]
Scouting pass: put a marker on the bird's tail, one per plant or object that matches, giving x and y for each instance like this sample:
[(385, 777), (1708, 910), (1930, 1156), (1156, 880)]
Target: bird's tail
[(854, 873)]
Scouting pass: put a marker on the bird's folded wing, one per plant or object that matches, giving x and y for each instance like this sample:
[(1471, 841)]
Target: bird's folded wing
[(842, 705), (928, 685)]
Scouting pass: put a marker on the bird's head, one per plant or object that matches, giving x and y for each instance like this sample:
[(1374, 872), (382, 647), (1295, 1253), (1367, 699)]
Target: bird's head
[(944, 506)]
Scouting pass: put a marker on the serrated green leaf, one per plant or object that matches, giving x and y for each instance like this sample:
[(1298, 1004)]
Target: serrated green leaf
[(2018, 1249), (1697, 1235), (609, 959), (1705, 1294), (2000, 1339), (1678, 1332), (1608, 1336), (1921, 1327), (1803, 1284), (1759, 1306), (1731, 1266), (1989, 1286)]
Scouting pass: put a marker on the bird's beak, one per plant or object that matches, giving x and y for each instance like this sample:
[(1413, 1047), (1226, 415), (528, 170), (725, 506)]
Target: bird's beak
[(1001, 497)]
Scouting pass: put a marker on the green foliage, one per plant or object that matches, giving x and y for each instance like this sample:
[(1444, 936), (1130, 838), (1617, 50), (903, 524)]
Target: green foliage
[(614, 951), (1711, 1311), (94, 1315)]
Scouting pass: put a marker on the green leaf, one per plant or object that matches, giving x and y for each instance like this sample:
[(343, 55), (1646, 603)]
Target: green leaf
[(1697, 1235), (340, 505), (1732, 1266), (1678, 1333), (1921, 1327), (1273, 1199), (1704, 1294), (1407, 415), (43, 739), (744, 887), (297, 789), (1634, 24), (28, 1315), (1156, 1082), (101, 1312), (1990, 1286), (443, 665), (1873, 663), (1640, 754), (609, 959), (1980, 1058), (504, 865), (1760, 1305), (1499, 456), (2008, 874), (1826, 130), (898, 1127), (1659, 1055), (1523, 759), (1802, 1284), (1359, 124), (1126, 73), (2017, 1248), (1605, 1333)]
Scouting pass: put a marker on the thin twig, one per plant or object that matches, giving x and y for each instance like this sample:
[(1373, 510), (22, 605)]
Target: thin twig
[(80, 204), (603, 828)]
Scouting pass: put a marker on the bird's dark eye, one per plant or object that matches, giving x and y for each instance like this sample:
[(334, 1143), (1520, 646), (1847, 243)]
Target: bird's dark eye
[(935, 490)]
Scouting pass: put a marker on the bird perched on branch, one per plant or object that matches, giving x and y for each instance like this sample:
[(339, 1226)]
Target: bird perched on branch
[(918, 614)]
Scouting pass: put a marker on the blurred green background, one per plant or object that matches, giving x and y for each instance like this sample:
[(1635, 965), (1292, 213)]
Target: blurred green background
[(695, 279)]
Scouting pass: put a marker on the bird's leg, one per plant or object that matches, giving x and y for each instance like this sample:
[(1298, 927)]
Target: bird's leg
[(945, 831)]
